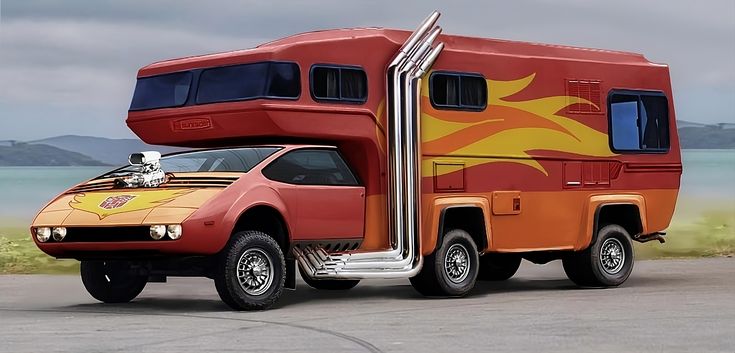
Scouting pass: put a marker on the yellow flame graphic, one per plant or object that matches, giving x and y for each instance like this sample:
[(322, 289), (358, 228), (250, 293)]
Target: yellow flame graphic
[(507, 130), (142, 200)]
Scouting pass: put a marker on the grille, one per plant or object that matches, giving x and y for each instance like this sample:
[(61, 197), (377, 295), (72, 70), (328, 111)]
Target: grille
[(108, 234)]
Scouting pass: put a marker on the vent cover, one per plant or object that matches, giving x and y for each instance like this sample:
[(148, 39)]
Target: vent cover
[(588, 90)]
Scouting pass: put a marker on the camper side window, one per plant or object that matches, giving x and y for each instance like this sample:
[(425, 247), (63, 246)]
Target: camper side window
[(338, 84), (458, 91), (639, 121)]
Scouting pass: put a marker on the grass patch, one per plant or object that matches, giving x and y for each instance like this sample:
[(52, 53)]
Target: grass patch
[(19, 254), (710, 234)]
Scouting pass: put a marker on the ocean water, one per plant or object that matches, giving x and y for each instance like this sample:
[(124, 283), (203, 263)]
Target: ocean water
[(709, 177)]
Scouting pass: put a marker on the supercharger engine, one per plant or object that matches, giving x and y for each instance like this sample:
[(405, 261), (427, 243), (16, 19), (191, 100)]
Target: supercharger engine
[(150, 174)]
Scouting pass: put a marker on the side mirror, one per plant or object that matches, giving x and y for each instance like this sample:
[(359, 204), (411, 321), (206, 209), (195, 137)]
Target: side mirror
[(142, 158)]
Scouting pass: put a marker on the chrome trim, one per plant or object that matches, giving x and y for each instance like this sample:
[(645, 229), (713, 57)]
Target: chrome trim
[(404, 260)]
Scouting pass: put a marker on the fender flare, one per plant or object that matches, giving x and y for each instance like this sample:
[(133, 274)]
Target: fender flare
[(258, 196), (432, 235), (595, 205)]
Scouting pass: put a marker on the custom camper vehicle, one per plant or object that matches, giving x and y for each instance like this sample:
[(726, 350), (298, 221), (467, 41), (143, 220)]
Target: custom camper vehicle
[(355, 154)]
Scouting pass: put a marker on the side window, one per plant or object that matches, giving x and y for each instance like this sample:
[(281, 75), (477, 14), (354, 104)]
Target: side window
[(311, 167), (639, 121), (338, 84), (458, 91)]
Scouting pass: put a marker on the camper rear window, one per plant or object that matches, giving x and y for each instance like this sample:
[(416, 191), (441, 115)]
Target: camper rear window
[(249, 81), (639, 121), (459, 91), (163, 91)]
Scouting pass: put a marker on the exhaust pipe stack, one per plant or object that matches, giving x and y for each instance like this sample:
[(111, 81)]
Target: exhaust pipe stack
[(404, 260)]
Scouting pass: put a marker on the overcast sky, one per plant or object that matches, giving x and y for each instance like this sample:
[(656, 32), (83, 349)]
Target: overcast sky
[(68, 67)]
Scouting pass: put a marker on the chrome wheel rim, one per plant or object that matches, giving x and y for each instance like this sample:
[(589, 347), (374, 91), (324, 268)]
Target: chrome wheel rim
[(612, 256), (255, 271), (457, 263)]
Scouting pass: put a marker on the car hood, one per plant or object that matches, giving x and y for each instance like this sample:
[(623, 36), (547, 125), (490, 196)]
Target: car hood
[(131, 206)]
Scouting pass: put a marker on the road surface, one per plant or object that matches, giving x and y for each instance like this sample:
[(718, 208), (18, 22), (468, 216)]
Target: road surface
[(665, 306)]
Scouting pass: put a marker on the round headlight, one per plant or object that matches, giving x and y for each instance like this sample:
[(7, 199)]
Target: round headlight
[(58, 233), (174, 231), (43, 234), (158, 231)]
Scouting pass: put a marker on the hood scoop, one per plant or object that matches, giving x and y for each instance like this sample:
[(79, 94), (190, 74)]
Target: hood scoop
[(150, 175)]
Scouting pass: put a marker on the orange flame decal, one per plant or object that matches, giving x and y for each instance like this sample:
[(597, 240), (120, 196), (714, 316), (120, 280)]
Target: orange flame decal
[(506, 130)]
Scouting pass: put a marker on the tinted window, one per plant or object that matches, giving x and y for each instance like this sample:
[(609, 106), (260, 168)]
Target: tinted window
[(458, 91), (311, 167), (170, 90), (334, 83), (224, 160), (258, 80), (639, 121)]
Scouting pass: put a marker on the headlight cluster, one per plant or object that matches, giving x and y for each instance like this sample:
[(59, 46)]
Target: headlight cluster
[(44, 234), (159, 231), (156, 232)]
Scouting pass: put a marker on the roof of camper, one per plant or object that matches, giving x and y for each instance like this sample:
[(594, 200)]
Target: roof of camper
[(452, 43)]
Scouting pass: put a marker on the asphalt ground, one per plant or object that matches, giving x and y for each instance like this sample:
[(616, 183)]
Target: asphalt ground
[(665, 306)]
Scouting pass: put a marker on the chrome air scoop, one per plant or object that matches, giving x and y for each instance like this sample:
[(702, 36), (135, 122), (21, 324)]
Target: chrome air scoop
[(150, 174)]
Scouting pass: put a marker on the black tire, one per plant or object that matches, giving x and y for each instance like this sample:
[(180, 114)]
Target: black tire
[(329, 284), (498, 267), (586, 269), (268, 265), (434, 279), (111, 281)]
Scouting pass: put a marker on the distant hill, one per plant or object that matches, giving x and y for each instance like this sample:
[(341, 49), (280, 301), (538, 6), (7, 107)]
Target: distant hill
[(707, 137), (23, 154), (108, 151)]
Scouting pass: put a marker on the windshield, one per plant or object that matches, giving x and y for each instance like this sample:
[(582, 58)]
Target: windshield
[(224, 160)]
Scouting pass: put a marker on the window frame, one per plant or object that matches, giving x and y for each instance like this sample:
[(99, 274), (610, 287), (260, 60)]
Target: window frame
[(339, 81), (639, 94), (358, 182), (459, 75), (199, 72)]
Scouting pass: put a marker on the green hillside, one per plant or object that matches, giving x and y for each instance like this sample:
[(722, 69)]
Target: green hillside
[(23, 154)]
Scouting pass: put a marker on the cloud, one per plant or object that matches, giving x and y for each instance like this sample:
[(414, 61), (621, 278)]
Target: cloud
[(72, 59)]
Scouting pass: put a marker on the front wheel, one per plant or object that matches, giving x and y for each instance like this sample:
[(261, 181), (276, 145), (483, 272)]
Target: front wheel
[(251, 272), (608, 262), (111, 281), (329, 284), (452, 269)]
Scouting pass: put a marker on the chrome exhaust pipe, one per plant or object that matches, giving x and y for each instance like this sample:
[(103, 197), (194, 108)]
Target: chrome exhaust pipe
[(404, 260)]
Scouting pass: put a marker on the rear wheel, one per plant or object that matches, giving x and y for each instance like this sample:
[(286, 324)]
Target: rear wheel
[(111, 281), (608, 262), (329, 284), (498, 267), (251, 272), (452, 269)]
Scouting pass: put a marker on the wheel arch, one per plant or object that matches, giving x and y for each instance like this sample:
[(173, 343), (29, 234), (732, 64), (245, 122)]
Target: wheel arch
[(267, 219), (628, 211), (468, 214)]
